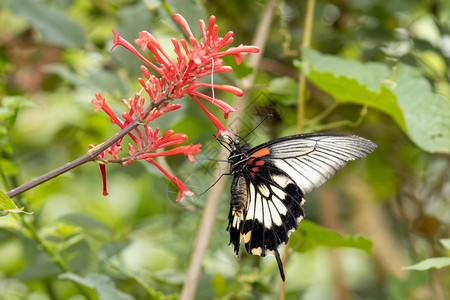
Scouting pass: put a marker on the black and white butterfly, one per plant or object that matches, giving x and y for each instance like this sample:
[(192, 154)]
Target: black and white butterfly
[(270, 181)]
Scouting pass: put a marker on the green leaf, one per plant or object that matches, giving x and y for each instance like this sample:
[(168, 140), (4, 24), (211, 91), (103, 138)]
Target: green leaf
[(9, 107), (284, 89), (56, 28), (352, 82), (427, 114), (400, 289), (219, 284), (445, 243), (8, 167), (313, 235), (103, 285), (144, 283), (406, 96), (62, 232), (8, 206), (90, 224), (430, 263), (5, 113)]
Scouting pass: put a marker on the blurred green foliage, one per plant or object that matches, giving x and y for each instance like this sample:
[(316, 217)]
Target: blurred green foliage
[(378, 69)]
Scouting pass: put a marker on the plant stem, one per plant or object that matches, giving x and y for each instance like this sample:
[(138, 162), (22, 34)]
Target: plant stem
[(302, 84), (342, 123), (89, 156), (212, 204), (56, 259)]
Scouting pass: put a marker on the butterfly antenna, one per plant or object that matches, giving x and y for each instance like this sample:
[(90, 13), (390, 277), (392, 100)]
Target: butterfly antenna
[(280, 264), (204, 192), (225, 145), (265, 118)]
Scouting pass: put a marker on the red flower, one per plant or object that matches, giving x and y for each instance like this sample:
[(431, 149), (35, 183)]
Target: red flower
[(189, 151), (184, 191), (175, 78), (179, 77)]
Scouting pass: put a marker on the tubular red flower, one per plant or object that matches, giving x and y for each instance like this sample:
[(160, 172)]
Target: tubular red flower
[(100, 103), (221, 69), (168, 139), (224, 87), (238, 52), (225, 107), (118, 40), (184, 191), (211, 27), (220, 128), (182, 21), (103, 171), (202, 25), (225, 41), (189, 151)]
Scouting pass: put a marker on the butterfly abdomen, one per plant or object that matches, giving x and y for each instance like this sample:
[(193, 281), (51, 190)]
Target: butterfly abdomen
[(238, 195)]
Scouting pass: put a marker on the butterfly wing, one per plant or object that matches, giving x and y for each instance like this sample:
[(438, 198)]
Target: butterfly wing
[(312, 159), (271, 211), (274, 180)]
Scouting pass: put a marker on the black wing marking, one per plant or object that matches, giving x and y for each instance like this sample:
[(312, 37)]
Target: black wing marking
[(272, 212)]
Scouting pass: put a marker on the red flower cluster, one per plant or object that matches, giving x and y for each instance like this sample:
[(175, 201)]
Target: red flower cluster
[(174, 80)]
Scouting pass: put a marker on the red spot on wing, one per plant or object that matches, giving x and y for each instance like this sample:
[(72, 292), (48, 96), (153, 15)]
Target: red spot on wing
[(254, 170), (256, 164), (261, 152), (259, 163)]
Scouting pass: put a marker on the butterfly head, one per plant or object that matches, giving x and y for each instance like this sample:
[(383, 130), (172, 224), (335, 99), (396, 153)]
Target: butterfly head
[(238, 152)]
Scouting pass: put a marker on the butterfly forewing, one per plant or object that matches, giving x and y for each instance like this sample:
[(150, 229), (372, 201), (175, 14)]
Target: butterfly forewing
[(312, 159), (270, 181)]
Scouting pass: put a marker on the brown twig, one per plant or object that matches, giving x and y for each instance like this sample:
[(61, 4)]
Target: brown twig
[(210, 211), (89, 156)]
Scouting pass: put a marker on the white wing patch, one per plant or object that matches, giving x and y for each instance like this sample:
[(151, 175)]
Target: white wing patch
[(281, 208), (275, 215), (264, 191), (265, 203), (312, 160), (282, 181), (259, 212)]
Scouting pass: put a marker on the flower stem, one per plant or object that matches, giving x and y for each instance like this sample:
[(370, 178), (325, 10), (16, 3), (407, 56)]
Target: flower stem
[(89, 156)]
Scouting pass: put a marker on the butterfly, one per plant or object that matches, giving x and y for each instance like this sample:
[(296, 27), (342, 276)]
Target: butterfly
[(269, 183)]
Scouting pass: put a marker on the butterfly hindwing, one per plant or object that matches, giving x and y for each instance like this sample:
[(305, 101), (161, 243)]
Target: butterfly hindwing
[(270, 181), (272, 211)]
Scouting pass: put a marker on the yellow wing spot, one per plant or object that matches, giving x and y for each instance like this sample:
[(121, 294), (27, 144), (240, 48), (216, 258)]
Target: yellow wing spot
[(256, 251), (246, 236)]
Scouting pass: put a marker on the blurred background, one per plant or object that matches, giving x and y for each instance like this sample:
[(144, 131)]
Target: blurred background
[(374, 218)]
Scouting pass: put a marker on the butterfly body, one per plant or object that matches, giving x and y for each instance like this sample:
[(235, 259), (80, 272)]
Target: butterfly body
[(270, 181)]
